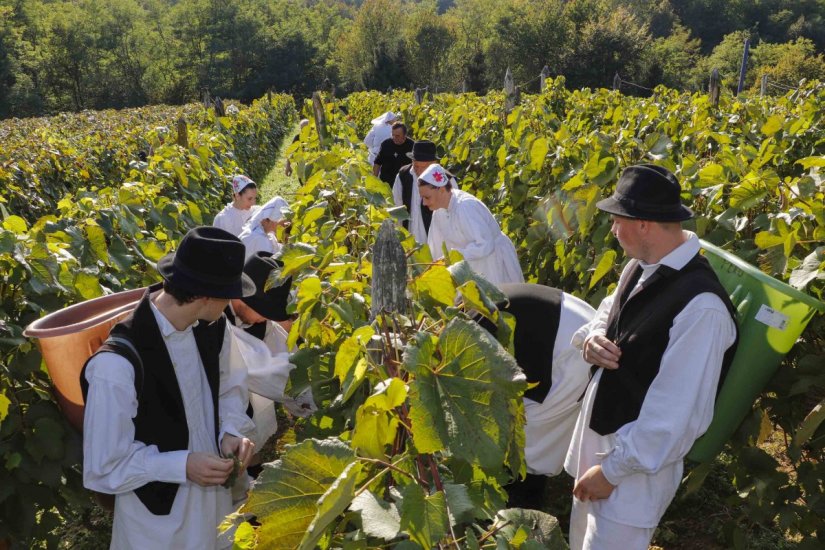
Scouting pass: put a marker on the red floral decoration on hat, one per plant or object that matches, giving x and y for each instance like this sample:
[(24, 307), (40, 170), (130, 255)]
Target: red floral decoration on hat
[(438, 177)]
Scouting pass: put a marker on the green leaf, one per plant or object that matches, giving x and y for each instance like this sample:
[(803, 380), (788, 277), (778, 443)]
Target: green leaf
[(379, 518), (15, 224), (151, 249), (462, 273), (766, 239), (540, 527), (46, 440), (812, 162), (437, 283), (309, 292), (4, 406), (604, 264), (538, 152), (474, 300), (460, 397), (244, 537), (710, 175), (351, 349), (459, 503), (87, 285), (424, 517), (334, 501), (97, 241), (285, 496), (295, 258), (809, 426), (375, 422), (811, 268), (601, 170), (772, 125)]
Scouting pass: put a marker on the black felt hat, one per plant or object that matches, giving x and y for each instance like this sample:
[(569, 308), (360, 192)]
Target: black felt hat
[(647, 192), (423, 150), (208, 262), (267, 303)]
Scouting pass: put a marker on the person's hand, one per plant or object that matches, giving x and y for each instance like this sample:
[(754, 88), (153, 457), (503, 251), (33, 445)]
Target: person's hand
[(600, 351), (241, 447), (303, 405), (207, 469), (593, 485)]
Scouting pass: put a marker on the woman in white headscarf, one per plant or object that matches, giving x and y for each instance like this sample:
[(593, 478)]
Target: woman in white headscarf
[(464, 224), (258, 234), (235, 214), (381, 130)]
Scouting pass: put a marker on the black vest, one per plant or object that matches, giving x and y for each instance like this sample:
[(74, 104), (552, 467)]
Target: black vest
[(537, 309), (640, 326), (161, 419), (406, 196)]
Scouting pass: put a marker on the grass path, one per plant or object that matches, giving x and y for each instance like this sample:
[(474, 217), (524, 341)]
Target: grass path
[(276, 182)]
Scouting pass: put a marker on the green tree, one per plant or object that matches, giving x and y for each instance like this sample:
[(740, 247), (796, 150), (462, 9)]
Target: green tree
[(787, 64), (428, 40)]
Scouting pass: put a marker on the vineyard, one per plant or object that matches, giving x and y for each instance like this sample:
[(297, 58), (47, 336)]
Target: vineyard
[(420, 424)]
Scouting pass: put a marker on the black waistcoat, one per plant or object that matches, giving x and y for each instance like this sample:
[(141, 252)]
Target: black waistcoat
[(406, 179), (640, 326), (537, 309), (161, 418)]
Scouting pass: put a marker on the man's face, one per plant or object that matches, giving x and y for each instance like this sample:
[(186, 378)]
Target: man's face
[(246, 313), (419, 166), (628, 232), (398, 136), (213, 309)]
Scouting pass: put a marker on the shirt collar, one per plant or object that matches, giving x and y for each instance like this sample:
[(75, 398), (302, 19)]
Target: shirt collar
[(679, 256), (167, 329)]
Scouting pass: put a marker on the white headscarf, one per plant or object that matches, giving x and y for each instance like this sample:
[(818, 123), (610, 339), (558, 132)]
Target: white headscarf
[(389, 116), (273, 210)]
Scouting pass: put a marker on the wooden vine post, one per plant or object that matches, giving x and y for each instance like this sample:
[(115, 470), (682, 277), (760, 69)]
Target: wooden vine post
[(713, 89), (183, 133), (320, 118), (511, 92), (219, 108), (545, 74), (389, 272), (763, 86)]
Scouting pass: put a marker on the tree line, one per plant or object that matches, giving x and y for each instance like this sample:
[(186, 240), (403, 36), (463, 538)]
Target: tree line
[(94, 54)]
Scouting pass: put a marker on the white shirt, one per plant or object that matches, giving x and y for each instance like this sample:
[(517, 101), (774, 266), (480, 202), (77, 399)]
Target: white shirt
[(232, 219), (114, 463), (417, 229), (644, 457), (258, 241), (268, 368), (550, 424), (466, 225), (375, 137)]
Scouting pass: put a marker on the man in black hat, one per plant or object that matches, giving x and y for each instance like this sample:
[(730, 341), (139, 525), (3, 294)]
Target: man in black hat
[(659, 347), (393, 154), (405, 189), (165, 403)]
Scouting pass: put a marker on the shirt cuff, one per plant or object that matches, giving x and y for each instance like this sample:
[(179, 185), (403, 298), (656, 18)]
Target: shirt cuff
[(612, 469), (169, 467)]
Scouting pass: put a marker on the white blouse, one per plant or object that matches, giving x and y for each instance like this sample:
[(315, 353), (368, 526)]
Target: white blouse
[(232, 219), (468, 226)]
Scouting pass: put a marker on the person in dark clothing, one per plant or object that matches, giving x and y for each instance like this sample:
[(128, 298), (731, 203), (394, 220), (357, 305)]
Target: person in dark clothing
[(393, 154)]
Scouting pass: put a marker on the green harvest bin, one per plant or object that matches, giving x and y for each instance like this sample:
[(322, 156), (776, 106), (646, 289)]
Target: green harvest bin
[(772, 316)]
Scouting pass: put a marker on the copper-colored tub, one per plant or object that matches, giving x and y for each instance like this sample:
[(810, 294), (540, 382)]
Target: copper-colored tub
[(67, 338)]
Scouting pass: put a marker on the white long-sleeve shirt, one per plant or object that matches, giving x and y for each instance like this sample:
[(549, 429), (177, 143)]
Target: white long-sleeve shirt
[(468, 226), (115, 463), (233, 219), (417, 229), (550, 423), (644, 458), (375, 137), (268, 368)]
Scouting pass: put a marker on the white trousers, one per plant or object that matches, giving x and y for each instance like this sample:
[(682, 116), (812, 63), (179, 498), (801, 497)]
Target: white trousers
[(591, 532)]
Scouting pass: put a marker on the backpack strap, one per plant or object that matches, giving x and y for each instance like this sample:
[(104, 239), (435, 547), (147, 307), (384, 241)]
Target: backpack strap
[(121, 345)]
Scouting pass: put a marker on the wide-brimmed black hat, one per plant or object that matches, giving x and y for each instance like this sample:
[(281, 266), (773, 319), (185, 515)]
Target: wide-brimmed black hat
[(423, 150), (267, 303), (647, 192), (208, 262)]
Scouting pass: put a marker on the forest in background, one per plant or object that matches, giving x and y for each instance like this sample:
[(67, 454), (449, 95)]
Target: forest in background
[(94, 54)]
